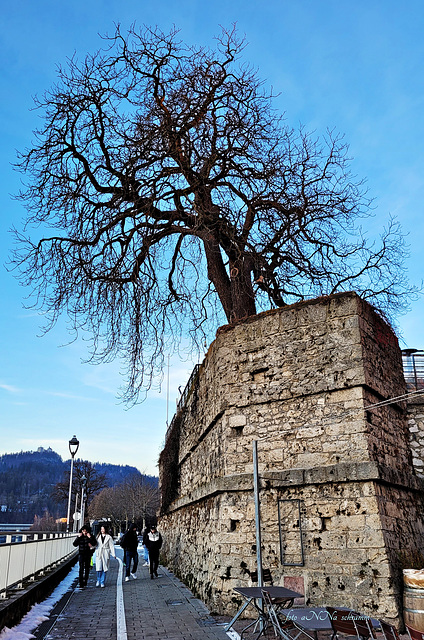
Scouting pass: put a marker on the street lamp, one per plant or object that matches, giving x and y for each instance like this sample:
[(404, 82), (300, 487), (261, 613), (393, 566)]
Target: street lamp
[(83, 486), (73, 448)]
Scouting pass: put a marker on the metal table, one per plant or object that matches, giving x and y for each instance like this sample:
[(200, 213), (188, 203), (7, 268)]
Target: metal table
[(252, 594)]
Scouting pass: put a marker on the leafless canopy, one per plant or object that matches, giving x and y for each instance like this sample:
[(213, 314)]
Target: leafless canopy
[(176, 192), (95, 482), (135, 500)]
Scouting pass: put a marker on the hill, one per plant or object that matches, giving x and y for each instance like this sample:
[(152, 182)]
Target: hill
[(28, 478)]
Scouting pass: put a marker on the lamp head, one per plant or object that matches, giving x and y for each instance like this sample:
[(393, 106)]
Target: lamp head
[(73, 446)]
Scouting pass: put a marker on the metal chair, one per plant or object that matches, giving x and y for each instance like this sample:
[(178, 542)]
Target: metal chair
[(284, 628), (279, 603), (266, 576), (389, 632), (414, 634), (350, 623)]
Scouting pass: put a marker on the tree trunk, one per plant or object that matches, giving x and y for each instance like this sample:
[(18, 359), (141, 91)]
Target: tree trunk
[(242, 295), (235, 292)]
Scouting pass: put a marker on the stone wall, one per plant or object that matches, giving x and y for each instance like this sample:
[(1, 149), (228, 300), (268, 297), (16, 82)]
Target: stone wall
[(306, 382), (416, 433)]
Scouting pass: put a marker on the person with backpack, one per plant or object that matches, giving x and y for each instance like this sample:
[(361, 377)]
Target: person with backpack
[(153, 543), (129, 543)]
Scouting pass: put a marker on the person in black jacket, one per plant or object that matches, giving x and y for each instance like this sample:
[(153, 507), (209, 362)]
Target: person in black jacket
[(86, 543), (153, 543), (129, 543)]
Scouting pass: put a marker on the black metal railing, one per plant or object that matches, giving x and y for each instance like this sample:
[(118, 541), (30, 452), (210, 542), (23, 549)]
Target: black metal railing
[(413, 368), (188, 390)]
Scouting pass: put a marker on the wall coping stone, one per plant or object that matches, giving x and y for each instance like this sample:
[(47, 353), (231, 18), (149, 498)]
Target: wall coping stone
[(329, 474)]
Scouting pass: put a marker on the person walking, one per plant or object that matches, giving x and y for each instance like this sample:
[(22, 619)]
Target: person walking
[(154, 543), (145, 549), (86, 544), (129, 543), (105, 548)]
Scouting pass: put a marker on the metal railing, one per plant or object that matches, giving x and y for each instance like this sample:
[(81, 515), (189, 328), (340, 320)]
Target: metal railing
[(25, 555), (188, 390), (413, 368)]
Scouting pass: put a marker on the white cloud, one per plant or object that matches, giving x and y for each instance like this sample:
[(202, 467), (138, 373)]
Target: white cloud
[(10, 388), (70, 396)]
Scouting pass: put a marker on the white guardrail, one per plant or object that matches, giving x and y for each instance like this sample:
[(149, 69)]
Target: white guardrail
[(23, 556)]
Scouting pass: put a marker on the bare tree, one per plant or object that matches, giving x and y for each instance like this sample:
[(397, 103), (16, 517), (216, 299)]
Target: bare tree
[(108, 505), (45, 523), (95, 482), (142, 498), (176, 192), (135, 500)]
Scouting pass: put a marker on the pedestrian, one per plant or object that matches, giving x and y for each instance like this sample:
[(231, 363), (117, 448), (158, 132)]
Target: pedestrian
[(86, 544), (129, 543), (154, 543), (105, 548), (145, 549)]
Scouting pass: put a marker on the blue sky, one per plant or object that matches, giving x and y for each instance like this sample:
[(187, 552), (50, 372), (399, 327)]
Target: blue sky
[(355, 66)]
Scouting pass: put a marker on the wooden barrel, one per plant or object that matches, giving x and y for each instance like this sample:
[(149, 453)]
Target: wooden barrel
[(413, 608)]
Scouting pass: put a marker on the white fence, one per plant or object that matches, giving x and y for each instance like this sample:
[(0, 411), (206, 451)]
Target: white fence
[(33, 554)]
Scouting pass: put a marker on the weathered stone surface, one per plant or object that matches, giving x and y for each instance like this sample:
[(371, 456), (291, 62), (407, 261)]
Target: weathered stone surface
[(416, 432), (305, 382)]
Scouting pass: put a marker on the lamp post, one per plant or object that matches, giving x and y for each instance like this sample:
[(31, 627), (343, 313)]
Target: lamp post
[(83, 486), (76, 514), (73, 448)]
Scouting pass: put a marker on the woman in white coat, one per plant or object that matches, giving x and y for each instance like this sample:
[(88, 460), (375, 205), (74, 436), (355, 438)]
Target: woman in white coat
[(105, 548)]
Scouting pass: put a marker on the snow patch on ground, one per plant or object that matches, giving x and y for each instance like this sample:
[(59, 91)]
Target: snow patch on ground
[(39, 612)]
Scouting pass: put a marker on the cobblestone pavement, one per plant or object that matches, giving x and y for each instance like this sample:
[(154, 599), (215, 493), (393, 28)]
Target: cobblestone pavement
[(162, 608)]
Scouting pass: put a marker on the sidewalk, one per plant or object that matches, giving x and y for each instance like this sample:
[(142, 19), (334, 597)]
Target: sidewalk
[(159, 609)]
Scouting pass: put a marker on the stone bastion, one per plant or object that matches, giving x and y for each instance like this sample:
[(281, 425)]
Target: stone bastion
[(341, 503)]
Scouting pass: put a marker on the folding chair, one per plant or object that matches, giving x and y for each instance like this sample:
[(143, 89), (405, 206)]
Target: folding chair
[(389, 632), (266, 576), (284, 628), (349, 623), (279, 603), (414, 634)]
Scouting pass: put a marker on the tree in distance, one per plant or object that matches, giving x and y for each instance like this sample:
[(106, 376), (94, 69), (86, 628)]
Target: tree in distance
[(164, 194), (94, 482), (135, 500)]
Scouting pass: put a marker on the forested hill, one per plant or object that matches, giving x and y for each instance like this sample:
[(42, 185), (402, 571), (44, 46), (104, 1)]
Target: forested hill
[(118, 473), (28, 478)]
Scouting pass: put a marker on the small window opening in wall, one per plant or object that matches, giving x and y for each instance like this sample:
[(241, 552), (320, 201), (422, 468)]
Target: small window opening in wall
[(324, 523), (369, 417), (234, 525), (290, 531), (237, 431), (259, 374)]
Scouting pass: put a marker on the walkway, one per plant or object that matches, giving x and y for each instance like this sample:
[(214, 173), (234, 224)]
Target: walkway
[(142, 609)]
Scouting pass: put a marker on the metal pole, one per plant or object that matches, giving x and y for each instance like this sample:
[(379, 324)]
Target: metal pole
[(257, 513), (82, 506), (415, 373), (76, 511), (69, 497)]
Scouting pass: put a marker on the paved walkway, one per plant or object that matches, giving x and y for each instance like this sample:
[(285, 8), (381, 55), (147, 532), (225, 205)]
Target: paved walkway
[(141, 609)]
